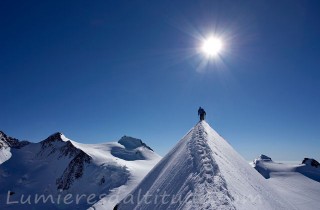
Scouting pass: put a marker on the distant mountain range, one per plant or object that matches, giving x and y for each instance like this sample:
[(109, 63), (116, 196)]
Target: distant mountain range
[(58, 166)]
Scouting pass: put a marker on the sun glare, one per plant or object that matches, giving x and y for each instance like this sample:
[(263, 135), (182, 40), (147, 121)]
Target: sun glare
[(212, 46)]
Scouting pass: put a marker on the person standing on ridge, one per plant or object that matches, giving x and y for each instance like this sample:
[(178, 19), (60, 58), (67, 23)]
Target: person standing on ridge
[(201, 113)]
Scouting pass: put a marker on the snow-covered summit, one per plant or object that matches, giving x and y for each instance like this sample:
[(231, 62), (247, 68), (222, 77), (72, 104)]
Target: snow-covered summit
[(59, 166), (264, 158), (202, 172), (131, 149), (132, 143)]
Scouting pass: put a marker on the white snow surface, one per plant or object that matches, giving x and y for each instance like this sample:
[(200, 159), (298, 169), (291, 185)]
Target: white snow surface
[(35, 170), (203, 172), (297, 183), (5, 154)]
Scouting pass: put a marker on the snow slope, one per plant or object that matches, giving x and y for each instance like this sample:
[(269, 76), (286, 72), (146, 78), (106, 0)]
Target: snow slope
[(203, 172), (298, 184), (265, 166), (58, 166)]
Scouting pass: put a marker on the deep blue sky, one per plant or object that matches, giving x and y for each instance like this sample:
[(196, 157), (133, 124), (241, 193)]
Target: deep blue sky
[(97, 70)]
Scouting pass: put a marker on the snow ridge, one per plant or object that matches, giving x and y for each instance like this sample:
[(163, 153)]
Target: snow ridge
[(208, 195), (203, 171), (190, 176)]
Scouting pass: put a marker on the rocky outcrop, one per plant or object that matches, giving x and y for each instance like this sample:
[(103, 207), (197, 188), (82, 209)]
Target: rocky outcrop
[(56, 144), (59, 146), (311, 162), (73, 171), (7, 141), (48, 142)]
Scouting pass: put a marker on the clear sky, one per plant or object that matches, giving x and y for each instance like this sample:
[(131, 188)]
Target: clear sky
[(97, 70)]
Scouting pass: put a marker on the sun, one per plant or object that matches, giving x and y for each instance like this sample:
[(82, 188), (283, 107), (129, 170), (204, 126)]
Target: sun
[(212, 46)]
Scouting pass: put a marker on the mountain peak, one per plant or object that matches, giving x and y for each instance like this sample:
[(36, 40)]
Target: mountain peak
[(55, 137), (264, 158), (55, 140), (132, 143), (202, 172)]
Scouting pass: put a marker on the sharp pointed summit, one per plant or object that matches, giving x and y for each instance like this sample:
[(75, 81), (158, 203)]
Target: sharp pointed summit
[(202, 172)]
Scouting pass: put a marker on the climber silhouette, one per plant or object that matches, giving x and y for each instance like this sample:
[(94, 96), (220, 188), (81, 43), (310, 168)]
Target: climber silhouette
[(201, 113)]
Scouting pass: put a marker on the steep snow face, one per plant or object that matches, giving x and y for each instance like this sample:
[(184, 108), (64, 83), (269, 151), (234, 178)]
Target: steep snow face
[(58, 166), (5, 154), (298, 184), (203, 172)]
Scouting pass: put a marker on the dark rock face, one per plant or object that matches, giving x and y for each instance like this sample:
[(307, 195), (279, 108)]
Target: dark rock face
[(312, 162), (73, 171), (48, 142), (69, 150), (7, 141), (55, 145)]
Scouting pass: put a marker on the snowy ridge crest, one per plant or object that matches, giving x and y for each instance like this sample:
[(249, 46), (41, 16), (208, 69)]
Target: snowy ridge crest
[(207, 173), (202, 172), (191, 168)]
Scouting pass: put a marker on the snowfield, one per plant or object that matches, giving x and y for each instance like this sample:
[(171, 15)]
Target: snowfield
[(58, 167), (298, 184)]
